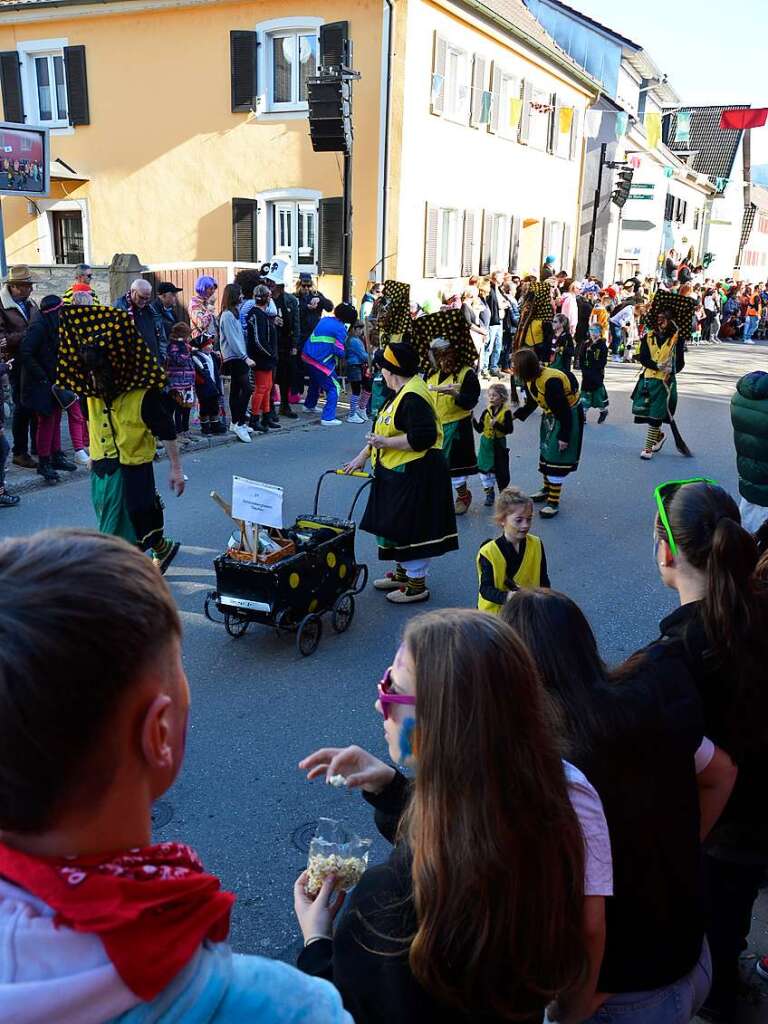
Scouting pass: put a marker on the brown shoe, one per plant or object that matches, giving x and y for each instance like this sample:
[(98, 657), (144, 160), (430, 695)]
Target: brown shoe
[(463, 501), (25, 461)]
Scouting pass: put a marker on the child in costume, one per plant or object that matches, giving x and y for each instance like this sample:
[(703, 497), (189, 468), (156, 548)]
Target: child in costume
[(562, 424), (599, 317), (514, 560), (180, 368), (594, 357), (456, 389), (356, 358), (207, 365), (494, 426), (563, 348)]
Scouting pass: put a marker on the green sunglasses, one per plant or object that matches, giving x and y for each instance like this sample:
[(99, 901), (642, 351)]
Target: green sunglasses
[(663, 489)]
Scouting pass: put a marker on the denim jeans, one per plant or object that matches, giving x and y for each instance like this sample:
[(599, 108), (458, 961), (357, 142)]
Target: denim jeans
[(491, 350), (674, 1004), (750, 326)]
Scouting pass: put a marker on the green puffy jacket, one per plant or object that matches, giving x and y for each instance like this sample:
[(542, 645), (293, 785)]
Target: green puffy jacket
[(749, 416)]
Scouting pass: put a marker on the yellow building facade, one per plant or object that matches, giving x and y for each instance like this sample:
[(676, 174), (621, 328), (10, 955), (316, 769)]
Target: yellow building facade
[(165, 168)]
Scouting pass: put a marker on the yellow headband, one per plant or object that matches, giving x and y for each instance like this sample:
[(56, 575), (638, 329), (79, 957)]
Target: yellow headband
[(390, 357)]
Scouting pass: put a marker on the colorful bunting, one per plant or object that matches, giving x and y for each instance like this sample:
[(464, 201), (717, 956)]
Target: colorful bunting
[(668, 171), (683, 126), (542, 108), (740, 119), (566, 119), (652, 122), (720, 184), (622, 123), (515, 110)]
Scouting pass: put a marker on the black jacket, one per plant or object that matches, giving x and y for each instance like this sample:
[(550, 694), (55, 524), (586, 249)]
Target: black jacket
[(584, 308), (165, 320), (261, 339), (39, 355), (148, 326), (593, 360), (367, 960), (308, 317), (742, 831)]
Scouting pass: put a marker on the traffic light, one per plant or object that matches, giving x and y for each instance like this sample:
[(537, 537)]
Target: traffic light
[(622, 187)]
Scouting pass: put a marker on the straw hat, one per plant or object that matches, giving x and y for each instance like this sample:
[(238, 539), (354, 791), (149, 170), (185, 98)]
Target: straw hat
[(20, 274)]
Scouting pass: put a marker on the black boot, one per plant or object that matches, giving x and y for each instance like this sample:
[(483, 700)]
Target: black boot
[(274, 419), (287, 411), (217, 427), (46, 470), (60, 461), (205, 428), (268, 423)]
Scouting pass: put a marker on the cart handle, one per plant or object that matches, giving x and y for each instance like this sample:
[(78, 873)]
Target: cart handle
[(340, 472)]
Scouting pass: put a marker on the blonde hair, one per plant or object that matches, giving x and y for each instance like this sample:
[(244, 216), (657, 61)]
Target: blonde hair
[(508, 500), (500, 389)]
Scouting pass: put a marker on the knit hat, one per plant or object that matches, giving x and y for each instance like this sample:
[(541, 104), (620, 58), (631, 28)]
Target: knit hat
[(346, 313), (50, 303), (400, 358)]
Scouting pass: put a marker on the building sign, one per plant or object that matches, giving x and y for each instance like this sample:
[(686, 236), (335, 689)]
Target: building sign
[(24, 160)]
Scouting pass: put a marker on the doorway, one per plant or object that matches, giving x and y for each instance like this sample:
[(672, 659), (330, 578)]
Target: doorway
[(531, 237)]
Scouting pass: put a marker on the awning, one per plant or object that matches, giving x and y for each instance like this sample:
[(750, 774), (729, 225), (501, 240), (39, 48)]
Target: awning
[(61, 172)]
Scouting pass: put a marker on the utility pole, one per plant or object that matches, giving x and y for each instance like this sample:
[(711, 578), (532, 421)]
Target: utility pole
[(596, 207)]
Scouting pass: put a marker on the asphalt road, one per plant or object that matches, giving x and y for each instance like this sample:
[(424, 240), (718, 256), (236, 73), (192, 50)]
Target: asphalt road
[(258, 707)]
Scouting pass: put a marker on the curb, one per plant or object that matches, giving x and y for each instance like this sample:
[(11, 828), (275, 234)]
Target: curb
[(31, 483)]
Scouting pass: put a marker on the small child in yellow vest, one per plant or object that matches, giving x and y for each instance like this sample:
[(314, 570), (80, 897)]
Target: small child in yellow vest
[(513, 561)]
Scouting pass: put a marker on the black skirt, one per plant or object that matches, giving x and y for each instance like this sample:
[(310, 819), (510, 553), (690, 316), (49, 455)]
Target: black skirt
[(459, 447), (410, 510)]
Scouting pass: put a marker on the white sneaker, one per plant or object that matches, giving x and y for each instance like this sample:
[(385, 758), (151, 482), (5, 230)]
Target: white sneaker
[(330, 423), (748, 341), (309, 412), (242, 434), (82, 458), (249, 429), (356, 418)]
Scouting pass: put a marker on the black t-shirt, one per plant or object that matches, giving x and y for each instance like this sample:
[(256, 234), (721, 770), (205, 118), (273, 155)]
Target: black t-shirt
[(643, 768)]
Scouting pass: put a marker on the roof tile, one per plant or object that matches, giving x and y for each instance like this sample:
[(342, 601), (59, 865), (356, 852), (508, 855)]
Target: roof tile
[(715, 150)]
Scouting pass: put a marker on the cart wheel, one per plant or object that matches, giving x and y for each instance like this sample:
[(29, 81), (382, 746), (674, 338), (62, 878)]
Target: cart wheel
[(283, 622), (308, 637), (235, 624), (362, 575), (343, 612), (210, 599)]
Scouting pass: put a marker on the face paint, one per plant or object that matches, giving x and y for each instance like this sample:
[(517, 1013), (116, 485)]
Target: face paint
[(406, 734)]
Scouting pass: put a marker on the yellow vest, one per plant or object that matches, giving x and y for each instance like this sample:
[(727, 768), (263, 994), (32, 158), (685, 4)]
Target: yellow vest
[(132, 442), (491, 421), (447, 409), (391, 458), (528, 575), (660, 353), (541, 382)]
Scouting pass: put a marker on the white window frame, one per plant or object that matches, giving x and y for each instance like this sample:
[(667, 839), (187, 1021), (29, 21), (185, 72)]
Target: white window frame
[(266, 32), (457, 89), (44, 208), (28, 51), (452, 218), (539, 96), (509, 86), (500, 241), (297, 199)]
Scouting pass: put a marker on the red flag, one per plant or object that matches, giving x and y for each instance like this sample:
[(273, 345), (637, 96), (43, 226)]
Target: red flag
[(736, 119)]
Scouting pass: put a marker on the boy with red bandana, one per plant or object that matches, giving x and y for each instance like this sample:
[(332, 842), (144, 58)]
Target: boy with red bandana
[(97, 924)]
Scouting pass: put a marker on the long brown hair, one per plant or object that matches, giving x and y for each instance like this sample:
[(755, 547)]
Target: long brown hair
[(498, 856), (230, 298)]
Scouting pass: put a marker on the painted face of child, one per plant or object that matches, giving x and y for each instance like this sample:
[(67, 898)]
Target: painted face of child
[(401, 721), (517, 523)]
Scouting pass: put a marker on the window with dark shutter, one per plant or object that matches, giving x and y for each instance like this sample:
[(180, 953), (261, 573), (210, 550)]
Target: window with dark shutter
[(575, 134), (331, 232), (566, 256), (242, 58), (485, 245), (334, 43), (479, 82), (438, 75), (10, 82), (430, 242), (469, 243), (546, 237), (244, 235), (514, 243), (495, 98), (554, 124), (77, 84)]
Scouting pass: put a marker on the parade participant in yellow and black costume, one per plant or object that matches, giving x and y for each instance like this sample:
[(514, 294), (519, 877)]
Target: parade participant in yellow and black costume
[(515, 560), (654, 399), (102, 357), (562, 425), (410, 509), (535, 327), (456, 390), (494, 426)]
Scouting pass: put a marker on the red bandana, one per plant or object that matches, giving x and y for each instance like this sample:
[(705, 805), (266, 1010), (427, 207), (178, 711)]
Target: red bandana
[(151, 907)]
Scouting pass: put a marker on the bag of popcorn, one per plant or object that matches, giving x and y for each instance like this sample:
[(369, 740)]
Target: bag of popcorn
[(335, 851)]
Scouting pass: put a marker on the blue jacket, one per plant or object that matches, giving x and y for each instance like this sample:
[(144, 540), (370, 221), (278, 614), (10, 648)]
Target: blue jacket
[(356, 354), (325, 345)]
